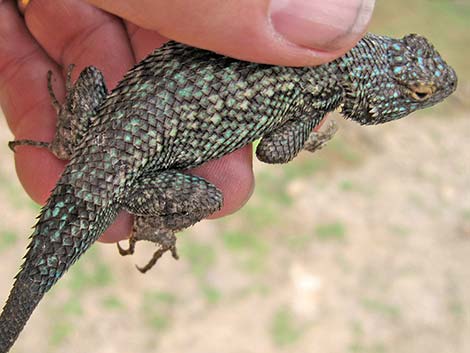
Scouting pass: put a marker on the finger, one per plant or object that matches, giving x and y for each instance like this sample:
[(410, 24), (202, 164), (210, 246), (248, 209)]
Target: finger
[(119, 230), (282, 32), (143, 41), (26, 102), (233, 175), (97, 39), (74, 41)]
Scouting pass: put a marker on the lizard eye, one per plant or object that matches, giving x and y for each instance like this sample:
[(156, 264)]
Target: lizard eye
[(421, 92)]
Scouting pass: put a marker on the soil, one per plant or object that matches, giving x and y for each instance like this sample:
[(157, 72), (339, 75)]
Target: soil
[(367, 251), (363, 247)]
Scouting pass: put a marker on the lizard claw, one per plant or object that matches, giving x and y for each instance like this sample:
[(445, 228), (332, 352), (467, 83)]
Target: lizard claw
[(156, 256), (128, 251)]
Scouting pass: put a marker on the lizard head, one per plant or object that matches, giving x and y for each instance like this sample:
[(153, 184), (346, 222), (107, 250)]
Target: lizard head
[(415, 77)]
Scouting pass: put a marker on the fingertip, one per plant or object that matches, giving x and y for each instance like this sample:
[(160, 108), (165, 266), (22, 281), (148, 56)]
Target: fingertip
[(280, 32), (119, 230), (322, 26), (38, 171), (97, 38)]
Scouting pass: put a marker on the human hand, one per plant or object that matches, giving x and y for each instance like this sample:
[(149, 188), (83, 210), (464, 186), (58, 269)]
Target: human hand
[(52, 35)]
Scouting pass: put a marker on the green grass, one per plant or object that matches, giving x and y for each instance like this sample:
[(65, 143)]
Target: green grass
[(271, 187), (89, 272), (284, 328), (250, 250), (166, 298), (347, 185), (60, 331), (331, 231), (259, 213), (200, 256), (400, 230), (344, 152), (255, 289), (236, 241), (212, 294), (297, 242), (65, 315), (359, 346), (112, 303), (457, 309), (363, 348), (466, 214), (16, 197), (382, 308), (157, 308), (7, 239), (353, 186), (304, 167), (158, 322), (101, 275), (72, 307)]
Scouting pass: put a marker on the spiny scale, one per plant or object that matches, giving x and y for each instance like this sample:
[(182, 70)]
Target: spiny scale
[(181, 107)]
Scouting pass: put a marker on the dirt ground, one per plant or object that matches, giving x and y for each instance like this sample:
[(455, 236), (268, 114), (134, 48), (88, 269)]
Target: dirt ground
[(361, 248), (369, 253)]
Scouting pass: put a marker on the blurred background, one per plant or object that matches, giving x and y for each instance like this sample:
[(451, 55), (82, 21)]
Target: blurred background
[(361, 248)]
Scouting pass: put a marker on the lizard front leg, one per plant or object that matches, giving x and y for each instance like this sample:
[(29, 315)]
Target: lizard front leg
[(318, 139), (284, 143), (75, 115), (166, 202)]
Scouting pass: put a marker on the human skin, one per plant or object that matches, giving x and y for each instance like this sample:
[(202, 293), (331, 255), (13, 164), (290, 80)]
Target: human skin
[(115, 34)]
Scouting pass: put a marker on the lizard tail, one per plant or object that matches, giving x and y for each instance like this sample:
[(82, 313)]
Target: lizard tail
[(66, 227), (19, 307)]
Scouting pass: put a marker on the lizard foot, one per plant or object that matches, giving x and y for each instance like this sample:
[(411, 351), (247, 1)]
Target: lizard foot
[(75, 115), (156, 256), (317, 140), (57, 106), (164, 203), (146, 228)]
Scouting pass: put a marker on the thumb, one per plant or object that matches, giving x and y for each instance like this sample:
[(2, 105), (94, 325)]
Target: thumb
[(281, 32)]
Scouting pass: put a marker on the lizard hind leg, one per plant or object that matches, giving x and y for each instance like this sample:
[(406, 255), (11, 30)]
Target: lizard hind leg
[(150, 228), (164, 203), (74, 116)]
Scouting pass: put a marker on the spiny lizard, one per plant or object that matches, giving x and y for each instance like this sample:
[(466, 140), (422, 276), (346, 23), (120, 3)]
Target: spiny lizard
[(181, 107)]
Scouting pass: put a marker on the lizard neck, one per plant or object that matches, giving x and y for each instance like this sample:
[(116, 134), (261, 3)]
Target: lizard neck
[(362, 73)]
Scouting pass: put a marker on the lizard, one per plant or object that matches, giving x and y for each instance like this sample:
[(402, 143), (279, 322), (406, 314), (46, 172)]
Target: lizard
[(129, 149)]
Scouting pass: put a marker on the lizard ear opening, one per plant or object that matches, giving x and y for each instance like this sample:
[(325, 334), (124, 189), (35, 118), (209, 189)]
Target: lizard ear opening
[(421, 92)]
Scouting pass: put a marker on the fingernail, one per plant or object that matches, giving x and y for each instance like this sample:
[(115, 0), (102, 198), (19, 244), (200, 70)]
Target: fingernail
[(320, 24)]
